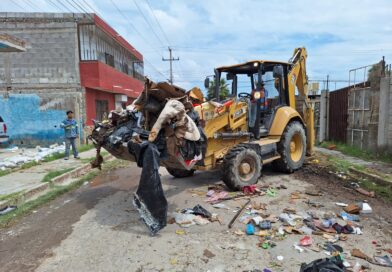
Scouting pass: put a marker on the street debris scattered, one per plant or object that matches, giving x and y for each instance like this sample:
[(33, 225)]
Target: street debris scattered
[(320, 231), (26, 156), (7, 209)]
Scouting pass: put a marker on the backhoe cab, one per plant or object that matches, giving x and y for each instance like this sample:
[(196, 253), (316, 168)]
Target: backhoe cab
[(257, 122)]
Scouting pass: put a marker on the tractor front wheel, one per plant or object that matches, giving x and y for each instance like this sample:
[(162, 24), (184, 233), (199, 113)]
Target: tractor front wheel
[(291, 148), (241, 166)]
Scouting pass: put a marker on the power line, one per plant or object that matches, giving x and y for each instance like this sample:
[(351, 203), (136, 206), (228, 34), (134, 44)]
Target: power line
[(53, 4), (31, 4), (156, 19), (17, 4), (134, 28), (91, 8), (61, 3), (148, 23)]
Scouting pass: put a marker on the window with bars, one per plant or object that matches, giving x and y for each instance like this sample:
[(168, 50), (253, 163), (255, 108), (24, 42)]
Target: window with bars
[(101, 109), (95, 44)]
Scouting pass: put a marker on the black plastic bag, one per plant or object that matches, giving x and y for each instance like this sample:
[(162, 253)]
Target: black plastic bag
[(334, 264), (149, 198), (198, 210)]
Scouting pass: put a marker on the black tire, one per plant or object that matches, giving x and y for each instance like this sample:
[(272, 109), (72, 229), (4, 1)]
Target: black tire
[(290, 161), (232, 167), (180, 173)]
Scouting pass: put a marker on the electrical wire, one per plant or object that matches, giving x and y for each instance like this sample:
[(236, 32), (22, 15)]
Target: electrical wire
[(148, 23), (156, 19), (17, 4)]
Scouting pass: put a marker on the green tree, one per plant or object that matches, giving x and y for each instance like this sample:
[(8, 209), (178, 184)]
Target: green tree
[(223, 89)]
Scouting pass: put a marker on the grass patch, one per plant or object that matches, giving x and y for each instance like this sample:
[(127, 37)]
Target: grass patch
[(49, 176), (56, 156), (10, 196), (29, 165), (26, 208), (382, 191), (5, 172), (359, 153), (342, 166)]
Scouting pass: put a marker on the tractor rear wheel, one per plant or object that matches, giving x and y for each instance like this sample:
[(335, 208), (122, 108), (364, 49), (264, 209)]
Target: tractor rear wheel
[(291, 148), (180, 173), (241, 167)]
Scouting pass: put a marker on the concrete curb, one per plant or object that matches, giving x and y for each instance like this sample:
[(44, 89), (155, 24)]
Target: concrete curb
[(40, 188), (370, 176)]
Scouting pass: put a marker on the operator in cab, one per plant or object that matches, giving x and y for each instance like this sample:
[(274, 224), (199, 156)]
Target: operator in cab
[(253, 103)]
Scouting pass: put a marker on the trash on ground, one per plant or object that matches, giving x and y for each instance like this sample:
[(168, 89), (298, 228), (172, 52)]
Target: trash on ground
[(298, 248), (366, 208), (249, 189), (383, 260), (265, 225), (341, 204), (352, 208), (306, 241), (313, 193), (364, 192), (250, 229), (220, 206), (180, 232), (333, 264), (349, 217), (355, 252), (207, 253), (7, 209), (238, 213), (239, 232), (198, 210)]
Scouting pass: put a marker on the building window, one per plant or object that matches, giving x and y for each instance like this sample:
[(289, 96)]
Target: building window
[(101, 109), (95, 44), (109, 59)]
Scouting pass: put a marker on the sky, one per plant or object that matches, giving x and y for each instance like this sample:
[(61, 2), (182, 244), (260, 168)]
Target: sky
[(338, 35)]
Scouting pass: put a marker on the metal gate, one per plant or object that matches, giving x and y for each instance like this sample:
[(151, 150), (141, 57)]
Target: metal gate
[(337, 126)]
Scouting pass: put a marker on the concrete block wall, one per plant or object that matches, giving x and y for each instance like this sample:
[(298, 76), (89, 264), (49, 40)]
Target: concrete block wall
[(51, 55), (45, 80), (385, 115), (363, 111)]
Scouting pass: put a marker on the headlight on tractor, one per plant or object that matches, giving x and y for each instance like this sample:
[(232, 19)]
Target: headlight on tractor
[(256, 95)]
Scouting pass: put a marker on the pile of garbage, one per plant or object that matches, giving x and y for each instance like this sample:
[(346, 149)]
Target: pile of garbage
[(318, 230), (24, 156), (159, 128)]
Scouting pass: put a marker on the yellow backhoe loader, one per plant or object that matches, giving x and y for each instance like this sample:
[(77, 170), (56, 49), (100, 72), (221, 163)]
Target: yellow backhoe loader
[(257, 122)]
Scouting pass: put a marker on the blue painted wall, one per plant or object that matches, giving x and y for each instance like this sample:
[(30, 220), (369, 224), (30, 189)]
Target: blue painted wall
[(29, 125)]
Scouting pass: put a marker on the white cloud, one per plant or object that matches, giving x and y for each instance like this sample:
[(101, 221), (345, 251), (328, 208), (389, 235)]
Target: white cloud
[(339, 35)]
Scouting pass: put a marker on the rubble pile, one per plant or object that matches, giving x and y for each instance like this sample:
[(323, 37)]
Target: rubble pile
[(28, 156)]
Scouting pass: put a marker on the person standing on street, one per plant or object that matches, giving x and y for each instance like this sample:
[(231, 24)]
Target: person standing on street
[(71, 131)]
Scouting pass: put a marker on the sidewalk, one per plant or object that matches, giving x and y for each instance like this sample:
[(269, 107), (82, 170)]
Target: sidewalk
[(31, 178), (385, 169)]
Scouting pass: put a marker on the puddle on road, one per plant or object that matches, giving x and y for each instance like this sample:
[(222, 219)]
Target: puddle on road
[(121, 177)]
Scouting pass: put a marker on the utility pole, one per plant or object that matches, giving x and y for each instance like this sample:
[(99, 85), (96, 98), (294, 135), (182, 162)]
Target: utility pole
[(171, 59)]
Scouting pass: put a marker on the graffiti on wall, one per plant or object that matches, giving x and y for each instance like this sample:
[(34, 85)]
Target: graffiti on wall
[(29, 122)]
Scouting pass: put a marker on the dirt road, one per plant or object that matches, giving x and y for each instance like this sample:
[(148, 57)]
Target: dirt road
[(96, 228)]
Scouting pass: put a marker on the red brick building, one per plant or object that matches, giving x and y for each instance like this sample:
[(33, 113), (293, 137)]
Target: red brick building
[(111, 69)]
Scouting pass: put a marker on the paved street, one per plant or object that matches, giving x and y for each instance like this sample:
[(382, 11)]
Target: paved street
[(96, 228)]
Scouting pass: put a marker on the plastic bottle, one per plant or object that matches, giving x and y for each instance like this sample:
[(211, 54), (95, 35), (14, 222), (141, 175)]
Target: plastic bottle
[(357, 267)]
